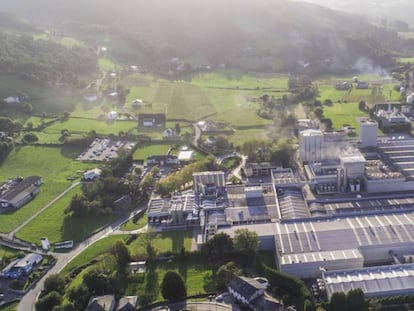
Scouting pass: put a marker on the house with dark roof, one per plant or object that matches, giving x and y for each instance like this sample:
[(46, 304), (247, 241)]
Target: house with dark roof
[(21, 191), (128, 303), (162, 160), (101, 303), (151, 120), (246, 290)]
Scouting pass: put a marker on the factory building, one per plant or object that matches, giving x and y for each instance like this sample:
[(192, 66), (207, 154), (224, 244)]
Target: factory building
[(368, 132), (377, 281), (305, 246), (311, 145), (204, 181)]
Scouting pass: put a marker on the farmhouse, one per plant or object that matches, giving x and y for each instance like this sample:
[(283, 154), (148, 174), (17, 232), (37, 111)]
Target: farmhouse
[(344, 86), (101, 303), (246, 290), (19, 192), (23, 266), (92, 174), (11, 100), (162, 160), (127, 303), (137, 103), (112, 115), (151, 120), (168, 133)]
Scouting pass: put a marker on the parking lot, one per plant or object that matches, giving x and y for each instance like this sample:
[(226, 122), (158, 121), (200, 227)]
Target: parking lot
[(104, 149)]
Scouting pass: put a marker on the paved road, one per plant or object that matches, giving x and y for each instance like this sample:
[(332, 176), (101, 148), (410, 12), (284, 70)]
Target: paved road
[(28, 301), (197, 134)]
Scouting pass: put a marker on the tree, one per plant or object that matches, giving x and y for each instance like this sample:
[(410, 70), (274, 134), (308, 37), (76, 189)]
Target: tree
[(328, 102), (79, 296), (218, 247), (222, 142), (173, 286), (30, 138), (55, 282), (47, 302), (27, 108), (318, 112), (246, 242), (356, 300), (338, 302), (177, 129), (225, 273), (361, 105), (96, 282), (121, 253)]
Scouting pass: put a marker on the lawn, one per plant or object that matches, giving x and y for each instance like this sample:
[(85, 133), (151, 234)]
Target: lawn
[(405, 60), (197, 277), (66, 41), (53, 164), (130, 225), (162, 242), (77, 125), (6, 252), (92, 252), (344, 114), (145, 150), (61, 226)]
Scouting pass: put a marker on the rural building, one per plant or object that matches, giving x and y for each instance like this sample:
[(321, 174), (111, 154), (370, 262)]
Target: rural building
[(344, 86), (260, 169), (137, 103), (112, 115), (168, 133), (91, 98), (185, 155), (101, 303), (18, 192), (128, 303), (137, 267), (92, 174), (362, 85), (22, 266), (151, 120), (245, 290), (11, 100), (161, 160)]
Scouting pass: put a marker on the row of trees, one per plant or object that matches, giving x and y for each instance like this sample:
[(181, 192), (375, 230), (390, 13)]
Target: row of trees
[(177, 180), (281, 151)]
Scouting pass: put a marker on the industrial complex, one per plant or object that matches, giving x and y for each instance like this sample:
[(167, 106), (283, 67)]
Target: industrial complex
[(344, 215)]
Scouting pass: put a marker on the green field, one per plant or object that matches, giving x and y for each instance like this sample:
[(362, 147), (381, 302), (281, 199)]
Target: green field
[(61, 226), (92, 252), (406, 35), (77, 125), (66, 41), (344, 114), (53, 164), (405, 60), (130, 225), (162, 242), (145, 150)]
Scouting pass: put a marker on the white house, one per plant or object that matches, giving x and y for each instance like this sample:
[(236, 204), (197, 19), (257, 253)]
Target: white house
[(246, 290), (92, 174), (168, 133), (137, 103), (12, 100), (112, 115)]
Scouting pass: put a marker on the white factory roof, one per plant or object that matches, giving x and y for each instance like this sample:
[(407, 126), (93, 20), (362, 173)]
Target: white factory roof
[(311, 132), (321, 256), (374, 281), (353, 158), (185, 155), (356, 232)]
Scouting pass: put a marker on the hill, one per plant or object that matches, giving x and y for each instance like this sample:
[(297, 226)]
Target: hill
[(250, 35)]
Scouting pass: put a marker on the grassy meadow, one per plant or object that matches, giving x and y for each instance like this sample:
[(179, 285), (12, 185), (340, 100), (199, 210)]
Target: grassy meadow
[(53, 164)]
